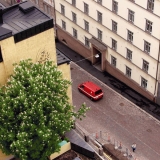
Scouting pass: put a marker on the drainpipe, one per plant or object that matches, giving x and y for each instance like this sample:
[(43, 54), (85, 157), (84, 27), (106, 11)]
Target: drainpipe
[(55, 23), (157, 71)]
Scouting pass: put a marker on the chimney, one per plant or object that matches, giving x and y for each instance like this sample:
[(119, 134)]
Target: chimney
[(1, 14)]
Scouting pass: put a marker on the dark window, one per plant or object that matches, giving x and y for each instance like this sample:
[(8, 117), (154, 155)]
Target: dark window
[(99, 17), (86, 25), (148, 26), (114, 44), (128, 72), (114, 6), (129, 54), (145, 66), (99, 1), (1, 58), (130, 36), (113, 61), (143, 82), (62, 9), (86, 8), (98, 92), (150, 5), (74, 17), (114, 26), (99, 33), (147, 46), (86, 42), (74, 2), (74, 33), (130, 16), (63, 25)]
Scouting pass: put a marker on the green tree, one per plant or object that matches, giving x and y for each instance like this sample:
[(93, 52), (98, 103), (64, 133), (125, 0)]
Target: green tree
[(35, 111)]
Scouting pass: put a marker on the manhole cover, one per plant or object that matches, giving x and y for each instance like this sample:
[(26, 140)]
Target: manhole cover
[(121, 104), (149, 130)]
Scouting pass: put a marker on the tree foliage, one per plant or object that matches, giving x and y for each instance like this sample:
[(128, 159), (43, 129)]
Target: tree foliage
[(35, 111)]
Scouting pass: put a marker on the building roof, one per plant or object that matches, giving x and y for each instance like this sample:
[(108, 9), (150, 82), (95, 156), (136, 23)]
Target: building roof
[(61, 58), (4, 4), (24, 20)]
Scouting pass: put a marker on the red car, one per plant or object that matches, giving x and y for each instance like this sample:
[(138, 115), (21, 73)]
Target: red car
[(91, 90)]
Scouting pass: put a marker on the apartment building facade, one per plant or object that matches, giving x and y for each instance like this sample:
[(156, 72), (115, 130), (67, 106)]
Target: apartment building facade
[(123, 33)]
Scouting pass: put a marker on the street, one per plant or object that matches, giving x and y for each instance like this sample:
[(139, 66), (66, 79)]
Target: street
[(118, 116)]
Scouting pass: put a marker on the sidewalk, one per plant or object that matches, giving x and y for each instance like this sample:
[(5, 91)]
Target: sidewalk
[(123, 120)]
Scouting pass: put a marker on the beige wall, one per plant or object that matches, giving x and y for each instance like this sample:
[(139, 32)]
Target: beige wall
[(29, 48)]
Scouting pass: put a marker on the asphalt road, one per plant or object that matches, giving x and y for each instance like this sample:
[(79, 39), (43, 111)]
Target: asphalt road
[(145, 104), (117, 116)]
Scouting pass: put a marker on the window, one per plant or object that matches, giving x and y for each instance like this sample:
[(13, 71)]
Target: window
[(74, 2), (99, 32), (114, 44), (99, 1), (147, 46), (114, 6), (1, 58), (143, 82), (64, 25), (86, 42), (99, 17), (150, 5), (37, 2), (129, 54), (145, 66), (130, 16), (130, 36), (128, 72), (114, 26), (86, 8), (62, 9), (148, 26), (113, 61), (74, 33), (46, 8), (74, 17), (86, 25)]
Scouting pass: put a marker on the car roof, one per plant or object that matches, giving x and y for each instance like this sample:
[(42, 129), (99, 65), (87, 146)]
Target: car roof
[(91, 85)]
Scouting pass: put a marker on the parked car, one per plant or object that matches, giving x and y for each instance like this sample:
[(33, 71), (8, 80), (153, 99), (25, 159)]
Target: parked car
[(91, 90)]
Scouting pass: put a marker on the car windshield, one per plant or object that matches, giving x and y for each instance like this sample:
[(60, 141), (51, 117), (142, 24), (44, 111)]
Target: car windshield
[(98, 92)]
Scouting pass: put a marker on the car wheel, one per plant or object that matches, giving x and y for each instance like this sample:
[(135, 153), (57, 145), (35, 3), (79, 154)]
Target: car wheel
[(91, 98), (80, 91)]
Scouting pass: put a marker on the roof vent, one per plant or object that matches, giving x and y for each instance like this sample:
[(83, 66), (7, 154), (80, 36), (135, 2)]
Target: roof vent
[(26, 7), (1, 14)]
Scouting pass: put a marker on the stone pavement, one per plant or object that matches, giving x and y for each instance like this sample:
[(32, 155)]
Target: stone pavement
[(122, 119)]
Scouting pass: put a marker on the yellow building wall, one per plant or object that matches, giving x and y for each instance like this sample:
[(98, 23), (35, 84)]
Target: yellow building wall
[(38, 47), (65, 69)]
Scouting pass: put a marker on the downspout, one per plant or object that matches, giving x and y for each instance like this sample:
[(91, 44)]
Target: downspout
[(157, 72), (55, 22)]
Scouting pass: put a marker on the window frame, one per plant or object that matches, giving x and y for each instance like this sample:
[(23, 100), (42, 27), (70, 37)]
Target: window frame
[(131, 16), (62, 9), (114, 6), (145, 66), (86, 25), (63, 25), (113, 61), (74, 3), (75, 34), (147, 47), (148, 26), (1, 56), (74, 17), (130, 36), (114, 44), (99, 2), (99, 17), (86, 8), (128, 72), (99, 34), (150, 5), (86, 42), (144, 83), (114, 26), (129, 54)]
